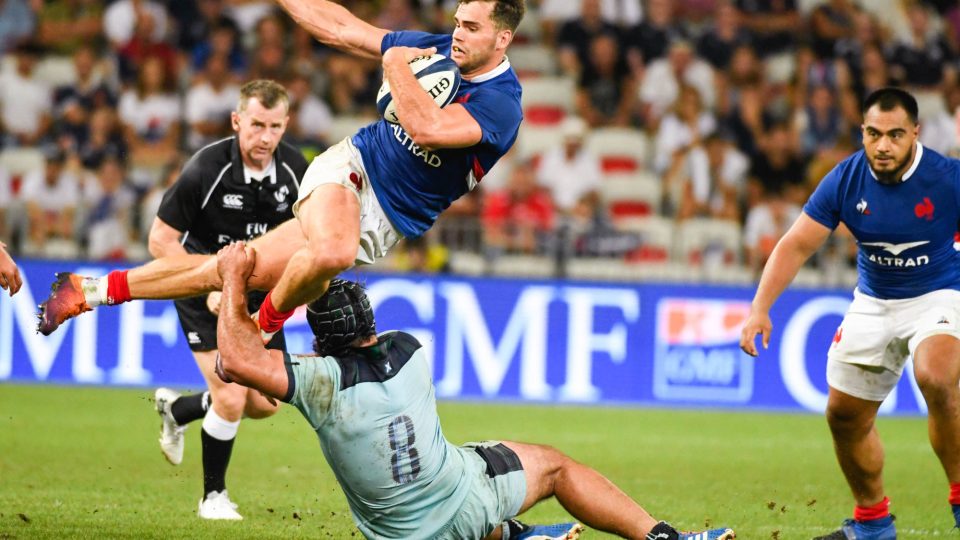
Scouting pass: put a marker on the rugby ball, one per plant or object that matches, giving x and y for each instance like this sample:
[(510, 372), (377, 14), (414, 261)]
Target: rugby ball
[(438, 75)]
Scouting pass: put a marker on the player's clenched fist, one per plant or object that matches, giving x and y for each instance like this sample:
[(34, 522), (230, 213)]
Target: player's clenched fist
[(757, 323)]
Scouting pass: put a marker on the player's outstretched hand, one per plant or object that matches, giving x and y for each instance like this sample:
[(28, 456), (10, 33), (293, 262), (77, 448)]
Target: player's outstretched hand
[(406, 54), (9, 273), (235, 262), (757, 323)]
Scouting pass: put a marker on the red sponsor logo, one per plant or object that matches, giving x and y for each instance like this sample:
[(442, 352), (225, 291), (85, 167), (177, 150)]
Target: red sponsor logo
[(356, 181), (839, 335), (924, 210)]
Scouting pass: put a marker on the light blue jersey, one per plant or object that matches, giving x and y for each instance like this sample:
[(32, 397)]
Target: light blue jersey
[(905, 231), (414, 185), (375, 414)]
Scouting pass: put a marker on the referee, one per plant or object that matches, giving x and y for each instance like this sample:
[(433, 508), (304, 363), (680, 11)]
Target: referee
[(237, 188)]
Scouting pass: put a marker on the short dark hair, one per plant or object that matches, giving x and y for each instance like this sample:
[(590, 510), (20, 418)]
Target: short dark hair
[(889, 98), (268, 93), (506, 13)]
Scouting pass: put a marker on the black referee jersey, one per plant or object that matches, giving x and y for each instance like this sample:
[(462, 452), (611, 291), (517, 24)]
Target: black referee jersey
[(212, 204)]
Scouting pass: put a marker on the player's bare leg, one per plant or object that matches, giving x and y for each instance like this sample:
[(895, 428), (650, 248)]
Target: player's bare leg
[(582, 491), (936, 364), (172, 277), (586, 494), (330, 221), (857, 445)]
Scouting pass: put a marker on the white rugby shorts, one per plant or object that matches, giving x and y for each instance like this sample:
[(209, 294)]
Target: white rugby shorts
[(341, 164), (871, 346)]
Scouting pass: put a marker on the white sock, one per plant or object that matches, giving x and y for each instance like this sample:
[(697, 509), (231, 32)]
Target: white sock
[(218, 428)]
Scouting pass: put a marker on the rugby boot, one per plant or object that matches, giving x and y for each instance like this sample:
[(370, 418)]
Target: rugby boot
[(874, 529), (559, 531), (65, 302)]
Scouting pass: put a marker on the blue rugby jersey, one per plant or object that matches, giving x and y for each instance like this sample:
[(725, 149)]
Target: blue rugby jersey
[(414, 185), (904, 231)]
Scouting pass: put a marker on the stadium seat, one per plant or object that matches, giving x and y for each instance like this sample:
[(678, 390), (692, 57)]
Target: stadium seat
[(547, 100), (656, 238), (631, 194), (530, 60), (529, 30), (19, 161), (466, 263), (344, 126), (530, 266), (620, 149), (930, 103), (57, 71), (600, 269), (709, 244), (533, 140)]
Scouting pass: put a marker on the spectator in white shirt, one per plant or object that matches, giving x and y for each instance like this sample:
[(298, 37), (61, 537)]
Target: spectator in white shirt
[(150, 115), (664, 76), (570, 171), (120, 20), (209, 103), (26, 102), (50, 196)]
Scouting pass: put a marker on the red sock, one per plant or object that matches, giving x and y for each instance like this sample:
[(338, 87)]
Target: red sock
[(118, 290), (269, 318), (877, 511), (955, 493)]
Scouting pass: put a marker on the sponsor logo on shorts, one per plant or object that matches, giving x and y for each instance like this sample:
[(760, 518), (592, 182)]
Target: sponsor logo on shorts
[(233, 200), (193, 338), (943, 320), (838, 336), (356, 180)]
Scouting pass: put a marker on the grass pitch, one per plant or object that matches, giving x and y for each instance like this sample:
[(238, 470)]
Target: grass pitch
[(85, 463)]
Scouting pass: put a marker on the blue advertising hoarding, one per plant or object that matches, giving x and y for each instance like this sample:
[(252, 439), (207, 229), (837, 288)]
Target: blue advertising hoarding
[(546, 341)]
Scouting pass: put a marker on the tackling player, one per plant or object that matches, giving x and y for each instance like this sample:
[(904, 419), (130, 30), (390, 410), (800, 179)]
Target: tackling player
[(363, 194), (370, 399), (901, 201)]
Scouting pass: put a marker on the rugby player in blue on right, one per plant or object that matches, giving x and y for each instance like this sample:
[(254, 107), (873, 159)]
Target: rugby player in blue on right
[(901, 201), (370, 399)]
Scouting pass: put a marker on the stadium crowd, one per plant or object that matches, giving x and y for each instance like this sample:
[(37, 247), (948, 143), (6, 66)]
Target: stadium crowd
[(662, 139)]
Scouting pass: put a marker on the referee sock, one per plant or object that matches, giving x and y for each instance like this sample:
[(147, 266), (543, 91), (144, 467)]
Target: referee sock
[(216, 438), (186, 409)]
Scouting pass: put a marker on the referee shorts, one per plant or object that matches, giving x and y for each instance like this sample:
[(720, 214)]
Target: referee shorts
[(341, 165), (200, 326)]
